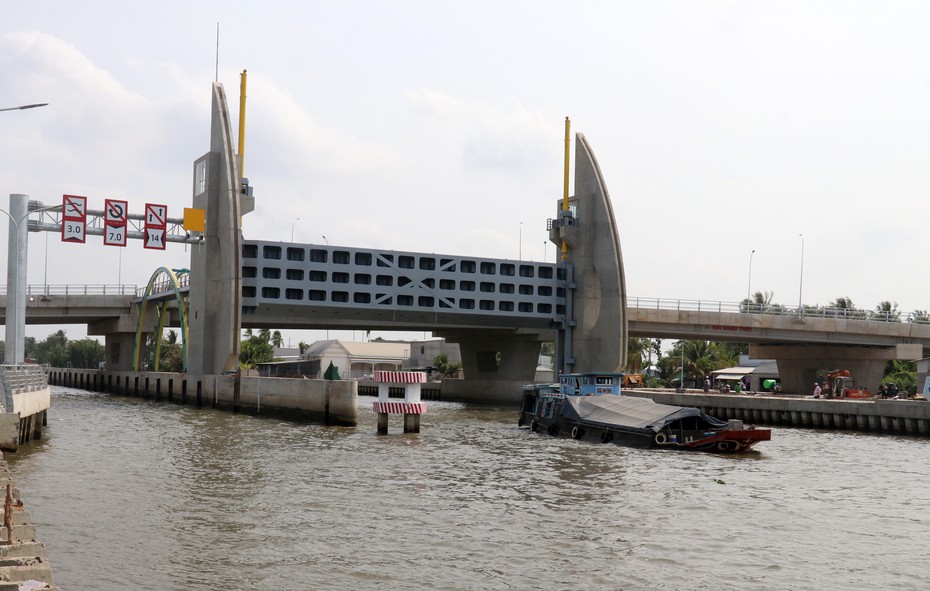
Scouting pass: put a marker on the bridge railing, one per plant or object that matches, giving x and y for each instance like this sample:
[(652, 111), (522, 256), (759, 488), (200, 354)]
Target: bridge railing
[(916, 317), (184, 281), (684, 305), (15, 379), (89, 289)]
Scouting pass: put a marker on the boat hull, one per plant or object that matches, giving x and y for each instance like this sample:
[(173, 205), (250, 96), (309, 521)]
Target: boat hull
[(687, 434)]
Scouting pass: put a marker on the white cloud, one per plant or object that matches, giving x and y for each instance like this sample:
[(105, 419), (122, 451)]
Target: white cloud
[(720, 128)]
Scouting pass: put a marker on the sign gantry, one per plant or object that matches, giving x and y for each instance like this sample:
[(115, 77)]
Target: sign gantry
[(75, 221)]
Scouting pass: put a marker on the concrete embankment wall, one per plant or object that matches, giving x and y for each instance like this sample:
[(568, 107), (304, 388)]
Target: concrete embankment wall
[(16, 429), (899, 417), (332, 402), (22, 558)]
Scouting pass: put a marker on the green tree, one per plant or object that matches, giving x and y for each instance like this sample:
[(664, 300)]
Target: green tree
[(843, 304), (53, 350), (700, 358), (302, 346), (29, 348), (848, 308), (172, 355), (86, 353), (888, 311), (255, 350), (444, 367), (636, 350), (903, 374), (731, 351), (276, 339), (759, 302)]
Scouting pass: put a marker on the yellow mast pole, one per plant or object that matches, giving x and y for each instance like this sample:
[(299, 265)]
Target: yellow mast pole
[(242, 80), (568, 126)]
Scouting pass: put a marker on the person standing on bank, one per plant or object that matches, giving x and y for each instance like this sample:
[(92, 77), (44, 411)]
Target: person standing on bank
[(816, 390)]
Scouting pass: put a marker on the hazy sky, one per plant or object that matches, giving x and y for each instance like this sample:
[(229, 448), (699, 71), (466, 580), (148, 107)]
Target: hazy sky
[(721, 128)]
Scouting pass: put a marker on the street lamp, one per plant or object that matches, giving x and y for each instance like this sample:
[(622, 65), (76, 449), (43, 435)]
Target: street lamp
[(16, 277), (682, 365), (749, 284), (45, 276), (327, 241), (23, 107), (801, 280), (292, 228)]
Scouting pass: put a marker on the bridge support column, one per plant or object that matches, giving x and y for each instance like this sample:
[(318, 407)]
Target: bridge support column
[(119, 348), (120, 338), (495, 365), (798, 364)]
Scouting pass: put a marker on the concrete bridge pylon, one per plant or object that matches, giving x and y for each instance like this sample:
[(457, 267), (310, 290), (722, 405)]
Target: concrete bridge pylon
[(595, 338), (591, 330), (215, 303)]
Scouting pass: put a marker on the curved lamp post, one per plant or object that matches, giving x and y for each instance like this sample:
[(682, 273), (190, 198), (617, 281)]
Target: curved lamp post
[(16, 288), (749, 284), (801, 280), (23, 107)]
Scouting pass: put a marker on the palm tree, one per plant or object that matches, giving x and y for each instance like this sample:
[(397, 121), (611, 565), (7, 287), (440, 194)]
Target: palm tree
[(843, 304), (635, 349), (276, 339), (888, 311), (445, 367), (700, 358), (846, 309), (759, 302)]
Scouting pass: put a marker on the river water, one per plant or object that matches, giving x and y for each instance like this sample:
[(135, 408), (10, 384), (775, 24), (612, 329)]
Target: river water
[(135, 494)]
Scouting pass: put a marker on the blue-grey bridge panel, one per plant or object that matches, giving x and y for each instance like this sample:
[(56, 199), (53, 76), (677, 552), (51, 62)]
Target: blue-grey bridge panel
[(313, 280)]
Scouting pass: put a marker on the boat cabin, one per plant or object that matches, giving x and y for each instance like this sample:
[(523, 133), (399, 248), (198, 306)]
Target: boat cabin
[(590, 383)]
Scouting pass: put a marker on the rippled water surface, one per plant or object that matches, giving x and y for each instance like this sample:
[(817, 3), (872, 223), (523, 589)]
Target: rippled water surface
[(134, 494)]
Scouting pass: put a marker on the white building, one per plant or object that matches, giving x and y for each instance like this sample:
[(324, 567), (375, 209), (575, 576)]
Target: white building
[(359, 360)]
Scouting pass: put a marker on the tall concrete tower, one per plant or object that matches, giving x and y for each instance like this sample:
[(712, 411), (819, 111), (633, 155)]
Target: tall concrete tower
[(216, 265), (595, 337)]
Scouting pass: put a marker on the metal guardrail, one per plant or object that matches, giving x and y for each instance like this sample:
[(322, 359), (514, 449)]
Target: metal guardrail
[(90, 289), (776, 310), (184, 281), (915, 317)]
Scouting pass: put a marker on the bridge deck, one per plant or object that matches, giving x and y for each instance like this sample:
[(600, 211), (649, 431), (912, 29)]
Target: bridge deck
[(356, 285)]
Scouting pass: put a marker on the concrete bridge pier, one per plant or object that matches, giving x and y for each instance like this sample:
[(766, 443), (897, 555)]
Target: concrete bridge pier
[(497, 365), (798, 364), (120, 338)]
